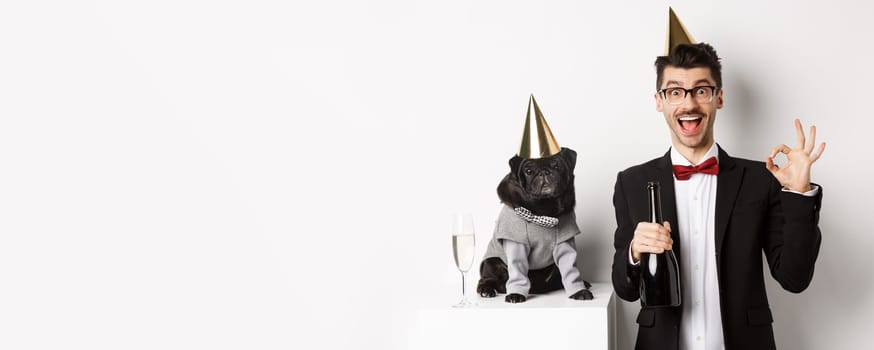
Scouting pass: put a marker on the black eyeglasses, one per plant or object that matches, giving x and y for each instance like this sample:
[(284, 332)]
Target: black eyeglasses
[(676, 95)]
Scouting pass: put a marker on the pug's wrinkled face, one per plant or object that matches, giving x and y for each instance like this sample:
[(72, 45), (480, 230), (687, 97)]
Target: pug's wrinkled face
[(545, 177)]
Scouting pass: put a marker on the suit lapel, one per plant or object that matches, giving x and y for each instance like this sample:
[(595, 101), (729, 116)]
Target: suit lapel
[(665, 177), (727, 186)]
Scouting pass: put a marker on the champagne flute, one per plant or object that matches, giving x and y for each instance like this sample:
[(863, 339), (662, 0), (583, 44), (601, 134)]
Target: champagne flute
[(463, 242)]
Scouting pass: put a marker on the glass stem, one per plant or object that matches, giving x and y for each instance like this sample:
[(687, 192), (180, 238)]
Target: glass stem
[(463, 294)]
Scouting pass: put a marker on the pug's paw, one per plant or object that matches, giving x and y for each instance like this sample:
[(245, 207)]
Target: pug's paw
[(584, 294), (487, 290), (515, 298)]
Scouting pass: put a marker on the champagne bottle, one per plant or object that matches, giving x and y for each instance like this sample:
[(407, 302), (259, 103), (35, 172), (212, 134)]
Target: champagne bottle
[(659, 273)]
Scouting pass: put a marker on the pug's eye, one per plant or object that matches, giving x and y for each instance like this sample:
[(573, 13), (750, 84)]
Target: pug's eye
[(556, 166), (529, 171)]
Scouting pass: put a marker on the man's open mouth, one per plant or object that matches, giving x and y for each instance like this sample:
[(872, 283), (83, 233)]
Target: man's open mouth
[(689, 124)]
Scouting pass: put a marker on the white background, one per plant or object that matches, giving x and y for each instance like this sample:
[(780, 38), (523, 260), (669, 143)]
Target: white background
[(277, 175)]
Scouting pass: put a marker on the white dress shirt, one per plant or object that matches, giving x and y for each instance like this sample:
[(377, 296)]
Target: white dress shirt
[(701, 326)]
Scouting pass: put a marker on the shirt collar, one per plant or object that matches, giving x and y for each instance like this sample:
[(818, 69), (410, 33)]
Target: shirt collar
[(678, 159)]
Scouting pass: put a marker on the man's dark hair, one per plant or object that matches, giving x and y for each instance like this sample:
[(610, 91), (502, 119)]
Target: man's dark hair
[(690, 56)]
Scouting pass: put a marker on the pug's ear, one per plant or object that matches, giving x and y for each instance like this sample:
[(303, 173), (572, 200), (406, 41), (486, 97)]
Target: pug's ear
[(515, 163), (570, 156)]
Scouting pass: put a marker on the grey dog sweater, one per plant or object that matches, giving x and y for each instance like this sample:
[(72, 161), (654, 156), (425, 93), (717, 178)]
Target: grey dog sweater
[(535, 247)]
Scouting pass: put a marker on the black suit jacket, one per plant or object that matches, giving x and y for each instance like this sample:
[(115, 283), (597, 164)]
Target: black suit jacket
[(753, 215)]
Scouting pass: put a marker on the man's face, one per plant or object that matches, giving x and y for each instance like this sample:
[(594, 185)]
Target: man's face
[(691, 122)]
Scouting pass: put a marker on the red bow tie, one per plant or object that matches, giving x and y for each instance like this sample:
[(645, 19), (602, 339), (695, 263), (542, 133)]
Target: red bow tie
[(684, 172)]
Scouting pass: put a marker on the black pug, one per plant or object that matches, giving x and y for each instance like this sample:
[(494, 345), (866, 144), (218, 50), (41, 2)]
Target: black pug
[(545, 187)]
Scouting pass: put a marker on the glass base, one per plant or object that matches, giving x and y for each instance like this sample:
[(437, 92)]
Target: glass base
[(465, 303)]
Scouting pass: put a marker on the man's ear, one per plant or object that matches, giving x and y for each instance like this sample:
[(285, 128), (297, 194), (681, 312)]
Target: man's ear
[(719, 100), (570, 156), (659, 106)]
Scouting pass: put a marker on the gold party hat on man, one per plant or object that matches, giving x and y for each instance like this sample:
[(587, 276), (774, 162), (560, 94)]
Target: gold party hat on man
[(677, 33), (537, 139)]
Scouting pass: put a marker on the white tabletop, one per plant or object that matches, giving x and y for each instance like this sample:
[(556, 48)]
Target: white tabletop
[(547, 321)]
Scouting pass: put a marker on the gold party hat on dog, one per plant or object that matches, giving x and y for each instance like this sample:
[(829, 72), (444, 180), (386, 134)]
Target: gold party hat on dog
[(537, 139), (677, 33)]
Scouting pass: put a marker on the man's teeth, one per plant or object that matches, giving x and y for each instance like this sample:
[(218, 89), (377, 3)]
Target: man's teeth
[(689, 122)]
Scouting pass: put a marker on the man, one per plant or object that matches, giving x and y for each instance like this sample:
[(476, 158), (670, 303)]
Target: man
[(721, 213)]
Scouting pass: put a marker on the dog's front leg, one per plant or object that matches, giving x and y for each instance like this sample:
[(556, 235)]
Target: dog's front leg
[(565, 255), (518, 284)]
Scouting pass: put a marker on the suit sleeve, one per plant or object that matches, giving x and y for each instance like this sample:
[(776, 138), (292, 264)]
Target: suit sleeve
[(626, 277), (793, 239)]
